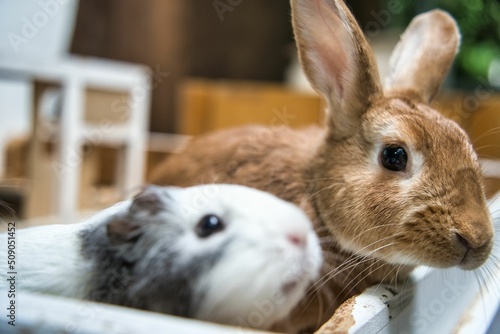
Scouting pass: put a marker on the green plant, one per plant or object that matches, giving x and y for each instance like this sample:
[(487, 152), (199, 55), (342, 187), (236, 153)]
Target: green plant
[(479, 22)]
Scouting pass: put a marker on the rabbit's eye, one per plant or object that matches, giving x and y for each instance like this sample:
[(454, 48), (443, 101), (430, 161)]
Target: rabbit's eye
[(394, 158), (209, 225)]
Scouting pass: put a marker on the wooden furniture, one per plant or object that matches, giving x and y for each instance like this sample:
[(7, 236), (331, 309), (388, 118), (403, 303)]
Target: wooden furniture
[(207, 105), (122, 124)]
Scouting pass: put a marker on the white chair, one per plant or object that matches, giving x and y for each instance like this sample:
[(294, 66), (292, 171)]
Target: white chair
[(39, 34)]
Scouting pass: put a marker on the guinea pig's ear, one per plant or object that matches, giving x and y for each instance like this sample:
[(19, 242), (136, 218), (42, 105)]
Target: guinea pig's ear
[(121, 230), (337, 61), (149, 200), (424, 55)]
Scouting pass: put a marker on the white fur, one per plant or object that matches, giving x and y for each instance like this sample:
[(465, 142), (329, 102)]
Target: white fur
[(252, 276), (48, 259)]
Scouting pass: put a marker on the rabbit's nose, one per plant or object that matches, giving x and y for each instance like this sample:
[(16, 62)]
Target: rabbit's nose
[(463, 241), (473, 242)]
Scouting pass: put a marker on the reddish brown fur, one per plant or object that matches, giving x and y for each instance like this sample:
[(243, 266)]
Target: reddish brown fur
[(381, 222)]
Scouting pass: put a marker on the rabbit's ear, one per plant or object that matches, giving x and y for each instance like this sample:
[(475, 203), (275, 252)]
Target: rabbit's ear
[(337, 61), (424, 55)]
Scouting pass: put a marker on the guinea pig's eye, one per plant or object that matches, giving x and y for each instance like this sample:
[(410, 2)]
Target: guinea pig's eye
[(394, 158), (209, 225)]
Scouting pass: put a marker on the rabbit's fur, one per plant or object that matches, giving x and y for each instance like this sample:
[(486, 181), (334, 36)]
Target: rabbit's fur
[(375, 224)]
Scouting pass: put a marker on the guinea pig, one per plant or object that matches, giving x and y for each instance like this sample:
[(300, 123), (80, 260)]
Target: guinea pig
[(212, 252)]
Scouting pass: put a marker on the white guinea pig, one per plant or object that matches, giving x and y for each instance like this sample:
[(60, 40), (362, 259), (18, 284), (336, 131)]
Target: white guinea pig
[(213, 252)]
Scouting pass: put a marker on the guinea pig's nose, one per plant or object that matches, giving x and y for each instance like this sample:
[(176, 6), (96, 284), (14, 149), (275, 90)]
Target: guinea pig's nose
[(298, 239), (149, 199)]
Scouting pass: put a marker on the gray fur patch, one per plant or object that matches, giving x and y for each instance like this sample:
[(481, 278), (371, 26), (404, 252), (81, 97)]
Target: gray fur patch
[(146, 273)]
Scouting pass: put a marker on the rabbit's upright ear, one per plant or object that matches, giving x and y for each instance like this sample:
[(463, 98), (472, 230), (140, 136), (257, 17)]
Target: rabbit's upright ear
[(424, 55), (337, 61)]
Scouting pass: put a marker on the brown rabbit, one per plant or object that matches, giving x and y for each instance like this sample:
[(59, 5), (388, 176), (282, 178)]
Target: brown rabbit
[(389, 183)]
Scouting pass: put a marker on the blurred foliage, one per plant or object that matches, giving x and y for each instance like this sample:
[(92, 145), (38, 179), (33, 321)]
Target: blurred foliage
[(479, 22)]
